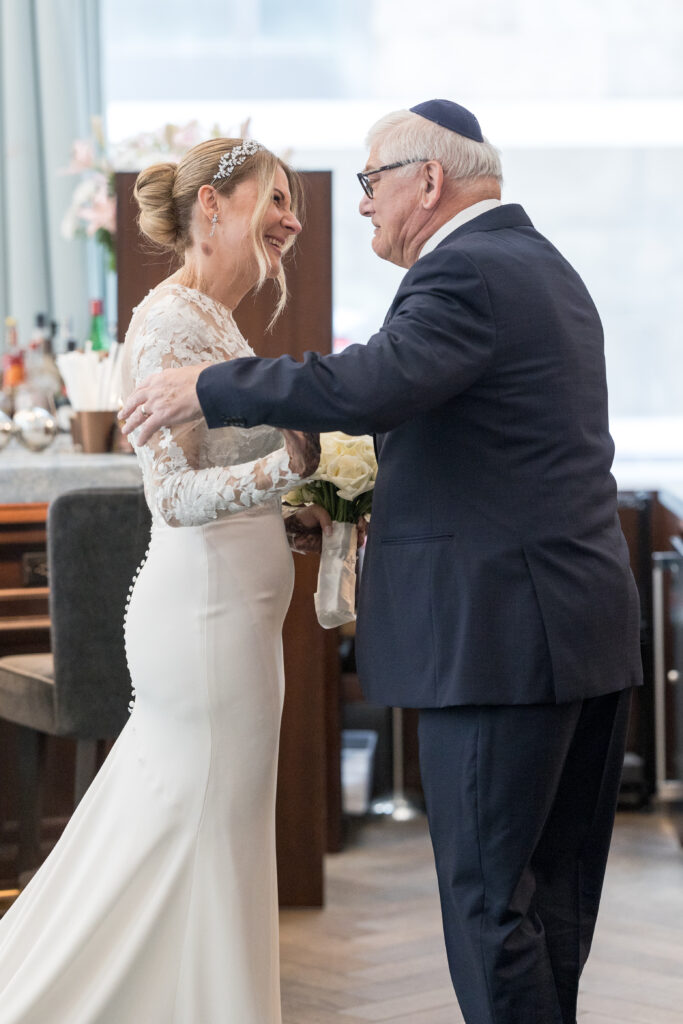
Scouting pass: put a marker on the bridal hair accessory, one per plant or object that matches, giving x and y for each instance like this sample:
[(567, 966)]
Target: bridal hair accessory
[(214, 221), (229, 161)]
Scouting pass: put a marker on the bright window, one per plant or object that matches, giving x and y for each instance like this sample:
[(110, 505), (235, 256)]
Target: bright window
[(585, 105)]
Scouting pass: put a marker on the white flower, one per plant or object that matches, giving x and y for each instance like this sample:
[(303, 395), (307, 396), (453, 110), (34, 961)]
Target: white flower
[(85, 191), (347, 462)]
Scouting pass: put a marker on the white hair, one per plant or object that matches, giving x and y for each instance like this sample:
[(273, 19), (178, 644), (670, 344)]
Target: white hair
[(403, 135)]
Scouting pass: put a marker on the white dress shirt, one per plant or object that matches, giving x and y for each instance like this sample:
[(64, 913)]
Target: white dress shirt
[(469, 213)]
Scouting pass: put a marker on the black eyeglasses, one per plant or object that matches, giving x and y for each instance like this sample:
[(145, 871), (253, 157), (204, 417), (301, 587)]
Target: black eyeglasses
[(364, 176)]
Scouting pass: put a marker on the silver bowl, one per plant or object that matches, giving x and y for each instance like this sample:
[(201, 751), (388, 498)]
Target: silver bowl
[(35, 428), (6, 429)]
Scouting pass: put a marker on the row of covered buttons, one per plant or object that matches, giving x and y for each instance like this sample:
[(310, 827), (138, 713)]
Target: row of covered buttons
[(137, 572)]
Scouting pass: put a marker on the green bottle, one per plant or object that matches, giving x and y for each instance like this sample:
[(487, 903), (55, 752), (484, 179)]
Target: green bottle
[(98, 329)]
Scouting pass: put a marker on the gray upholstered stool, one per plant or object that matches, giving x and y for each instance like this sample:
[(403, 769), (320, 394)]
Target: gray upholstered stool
[(96, 539)]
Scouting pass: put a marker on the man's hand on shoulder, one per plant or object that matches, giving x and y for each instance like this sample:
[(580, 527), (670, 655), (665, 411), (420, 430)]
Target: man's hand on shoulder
[(162, 400)]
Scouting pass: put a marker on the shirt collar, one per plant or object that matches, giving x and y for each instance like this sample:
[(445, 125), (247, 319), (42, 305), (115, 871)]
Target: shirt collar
[(469, 213)]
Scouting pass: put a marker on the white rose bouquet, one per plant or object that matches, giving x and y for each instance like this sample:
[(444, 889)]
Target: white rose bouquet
[(342, 484)]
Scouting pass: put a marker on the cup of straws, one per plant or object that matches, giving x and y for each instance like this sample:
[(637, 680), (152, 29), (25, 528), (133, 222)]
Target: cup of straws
[(93, 386)]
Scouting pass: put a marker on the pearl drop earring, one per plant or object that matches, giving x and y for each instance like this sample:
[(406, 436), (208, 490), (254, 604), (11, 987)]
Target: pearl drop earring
[(214, 221)]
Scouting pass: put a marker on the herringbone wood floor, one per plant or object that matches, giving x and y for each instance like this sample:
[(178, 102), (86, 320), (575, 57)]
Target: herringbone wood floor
[(375, 952)]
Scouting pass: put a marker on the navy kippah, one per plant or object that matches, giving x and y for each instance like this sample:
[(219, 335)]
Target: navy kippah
[(452, 116)]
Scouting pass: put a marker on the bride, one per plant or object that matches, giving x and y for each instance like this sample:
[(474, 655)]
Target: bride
[(159, 903)]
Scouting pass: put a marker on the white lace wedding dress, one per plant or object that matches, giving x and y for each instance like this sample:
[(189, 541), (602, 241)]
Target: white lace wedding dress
[(159, 905)]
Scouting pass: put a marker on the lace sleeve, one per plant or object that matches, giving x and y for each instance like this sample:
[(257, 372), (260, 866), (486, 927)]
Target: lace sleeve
[(175, 332)]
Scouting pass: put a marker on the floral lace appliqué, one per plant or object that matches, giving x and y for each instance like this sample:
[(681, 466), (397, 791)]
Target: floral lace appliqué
[(192, 475)]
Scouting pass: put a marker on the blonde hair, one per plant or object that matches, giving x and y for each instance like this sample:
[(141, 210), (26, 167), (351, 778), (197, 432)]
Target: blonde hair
[(166, 195), (403, 135)]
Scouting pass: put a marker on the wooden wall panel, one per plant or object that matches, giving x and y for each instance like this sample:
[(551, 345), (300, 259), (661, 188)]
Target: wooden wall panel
[(140, 266)]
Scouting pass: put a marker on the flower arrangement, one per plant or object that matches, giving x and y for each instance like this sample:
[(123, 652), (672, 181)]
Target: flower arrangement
[(344, 479), (342, 484), (92, 212)]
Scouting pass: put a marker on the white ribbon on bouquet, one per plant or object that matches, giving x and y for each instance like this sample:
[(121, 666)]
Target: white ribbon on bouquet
[(335, 598)]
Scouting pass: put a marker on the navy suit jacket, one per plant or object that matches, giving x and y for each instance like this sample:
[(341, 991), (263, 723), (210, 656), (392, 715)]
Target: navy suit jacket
[(496, 571)]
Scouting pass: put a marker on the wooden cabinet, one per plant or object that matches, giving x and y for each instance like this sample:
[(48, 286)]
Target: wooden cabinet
[(24, 619), (24, 629), (652, 524)]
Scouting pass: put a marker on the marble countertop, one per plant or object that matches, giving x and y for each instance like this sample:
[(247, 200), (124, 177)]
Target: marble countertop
[(27, 476)]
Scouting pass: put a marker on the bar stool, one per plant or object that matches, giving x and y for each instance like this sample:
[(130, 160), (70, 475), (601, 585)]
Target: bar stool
[(96, 539)]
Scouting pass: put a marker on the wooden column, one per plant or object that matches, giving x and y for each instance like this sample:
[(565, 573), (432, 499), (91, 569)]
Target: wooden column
[(311, 665)]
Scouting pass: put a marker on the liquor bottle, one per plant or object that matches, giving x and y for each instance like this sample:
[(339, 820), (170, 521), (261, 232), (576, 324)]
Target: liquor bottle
[(43, 377), (98, 335), (41, 329), (66, 341), (13, 372), (36, 346)]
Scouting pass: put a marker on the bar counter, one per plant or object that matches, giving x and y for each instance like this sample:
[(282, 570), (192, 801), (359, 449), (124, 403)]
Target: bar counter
[(28, 477)]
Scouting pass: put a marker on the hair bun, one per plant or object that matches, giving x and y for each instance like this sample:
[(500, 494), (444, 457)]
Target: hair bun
[(154, 194)]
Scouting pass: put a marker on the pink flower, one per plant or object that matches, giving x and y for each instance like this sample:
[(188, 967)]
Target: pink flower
[(102, 214), (82, 156), (100, 210)]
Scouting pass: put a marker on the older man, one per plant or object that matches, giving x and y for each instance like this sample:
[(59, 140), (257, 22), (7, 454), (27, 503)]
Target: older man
[(496, 594)]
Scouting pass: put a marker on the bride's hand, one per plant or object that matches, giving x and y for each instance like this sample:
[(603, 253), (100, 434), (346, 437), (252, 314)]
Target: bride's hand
[(305, 526), (304, 452)]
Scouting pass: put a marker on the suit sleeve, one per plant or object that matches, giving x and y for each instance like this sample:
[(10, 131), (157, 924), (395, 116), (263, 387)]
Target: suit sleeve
[(438, 340)]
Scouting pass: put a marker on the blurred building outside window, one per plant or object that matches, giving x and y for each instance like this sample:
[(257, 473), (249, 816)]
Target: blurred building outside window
[(585, 102)]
